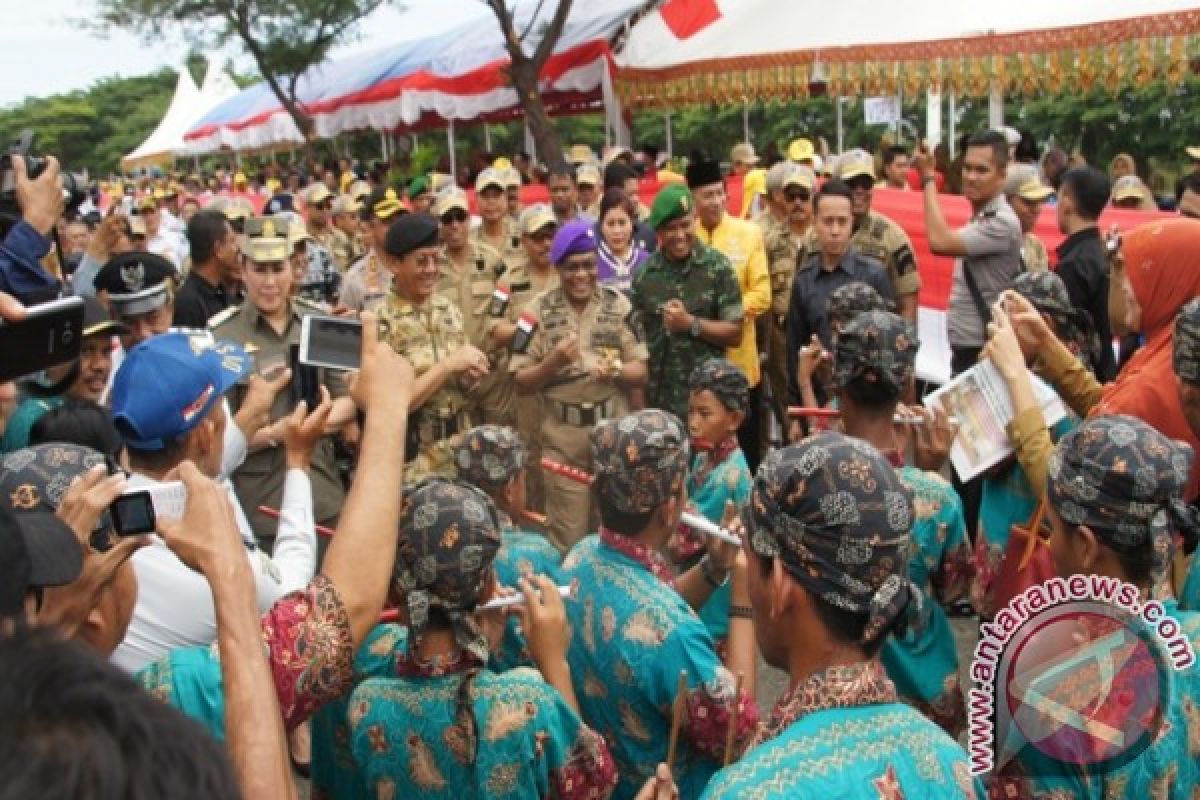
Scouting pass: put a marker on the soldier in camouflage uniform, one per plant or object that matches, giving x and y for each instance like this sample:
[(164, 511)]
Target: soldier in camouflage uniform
[(687, 298), (320, 205), (1026, 193), (497, 228), (878, 236), (584, 355), (488, 292), (427, 329), (346, 220)]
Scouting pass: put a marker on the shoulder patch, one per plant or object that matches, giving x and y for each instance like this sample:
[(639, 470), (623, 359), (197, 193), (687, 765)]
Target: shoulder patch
[(221, 317)]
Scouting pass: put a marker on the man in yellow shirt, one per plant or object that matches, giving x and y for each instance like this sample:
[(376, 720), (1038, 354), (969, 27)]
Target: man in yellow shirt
[(742, 243)]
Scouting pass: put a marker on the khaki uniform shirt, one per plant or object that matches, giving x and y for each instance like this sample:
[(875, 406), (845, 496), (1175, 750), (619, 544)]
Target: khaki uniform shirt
[(1033, 253), (510, 247), (259, 481), (425, 335), (339, 246), (885, 241)]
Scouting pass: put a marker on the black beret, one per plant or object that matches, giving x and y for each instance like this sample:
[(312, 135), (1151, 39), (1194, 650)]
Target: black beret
[(410, 232), (703, 172), (136, 281)]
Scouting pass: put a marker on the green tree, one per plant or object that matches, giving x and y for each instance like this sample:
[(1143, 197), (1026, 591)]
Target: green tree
[(285, 38)]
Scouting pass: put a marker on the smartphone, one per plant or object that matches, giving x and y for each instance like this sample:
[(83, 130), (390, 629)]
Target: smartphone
[(138, 511), (306, 380), (50, 334), (333, 342)]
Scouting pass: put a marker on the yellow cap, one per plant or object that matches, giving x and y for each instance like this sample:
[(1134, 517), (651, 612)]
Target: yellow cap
[(580, 154), (536, 217), (801, 150), (1034, 190), (450, 199), (856, 163), (743, 154), (588, 175), (501, 164), (273, 185), (239, 177), (146, 203), (488, 178), (1194, 153), (346, 179)]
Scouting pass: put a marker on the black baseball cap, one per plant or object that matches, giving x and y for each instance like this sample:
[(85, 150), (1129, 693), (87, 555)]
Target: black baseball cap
[(37, 549)]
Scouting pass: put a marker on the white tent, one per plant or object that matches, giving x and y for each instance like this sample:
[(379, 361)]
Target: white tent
[(720, 51), (160, 146), (188, 105)]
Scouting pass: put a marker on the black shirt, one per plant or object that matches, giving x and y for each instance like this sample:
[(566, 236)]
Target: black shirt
[(1083, 267), (197, 301), (808, 313)]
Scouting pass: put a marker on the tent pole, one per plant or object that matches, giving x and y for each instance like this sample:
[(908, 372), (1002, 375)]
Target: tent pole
[(933, 117), (841, 137), (952, 125), (745, 121), (996, 108), (487, 138), (450, 144), (383, 145), (670, 144)]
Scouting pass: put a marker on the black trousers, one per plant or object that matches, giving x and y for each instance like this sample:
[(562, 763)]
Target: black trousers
[(749, 435), (971, 492)]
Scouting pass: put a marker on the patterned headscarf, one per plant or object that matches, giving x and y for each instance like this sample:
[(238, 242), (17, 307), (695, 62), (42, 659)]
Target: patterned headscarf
[(449, 535), (876, 347), (1047, 293), (725, 380), (1187, 343), (490, 456), (847, 302), (1124, 480), (835, 512), (640, 461)]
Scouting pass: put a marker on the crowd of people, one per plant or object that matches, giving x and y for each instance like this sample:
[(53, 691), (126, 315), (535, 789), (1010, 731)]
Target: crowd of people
[(482, 563)]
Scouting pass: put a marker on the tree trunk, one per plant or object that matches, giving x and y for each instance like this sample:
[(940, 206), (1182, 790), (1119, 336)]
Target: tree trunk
[(545, 136)]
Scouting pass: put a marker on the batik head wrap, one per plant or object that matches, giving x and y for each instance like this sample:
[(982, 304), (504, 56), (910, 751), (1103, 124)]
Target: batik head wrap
[(489, 456), (876, 347), (640, 461), (1186, 346), (725, 380), (847, 302)]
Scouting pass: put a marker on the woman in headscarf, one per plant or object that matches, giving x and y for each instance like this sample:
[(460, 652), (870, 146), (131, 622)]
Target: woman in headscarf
[(443, 725), (1114, 495), (1160, 275)]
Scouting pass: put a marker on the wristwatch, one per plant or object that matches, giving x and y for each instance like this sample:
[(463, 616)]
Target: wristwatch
[(694, 328), (711, 574)]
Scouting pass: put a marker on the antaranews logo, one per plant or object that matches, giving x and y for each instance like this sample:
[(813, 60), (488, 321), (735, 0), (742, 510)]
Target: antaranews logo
[(1076, 668)]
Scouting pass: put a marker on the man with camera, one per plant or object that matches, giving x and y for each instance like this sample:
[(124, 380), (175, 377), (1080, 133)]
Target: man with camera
[(32, 203)]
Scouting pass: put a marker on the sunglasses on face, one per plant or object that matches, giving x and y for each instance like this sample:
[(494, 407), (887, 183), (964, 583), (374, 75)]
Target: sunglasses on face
[(798, 195), (451, 217)]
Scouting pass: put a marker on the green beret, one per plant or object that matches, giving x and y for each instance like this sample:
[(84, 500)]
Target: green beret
[(671, 203), (418, 186)]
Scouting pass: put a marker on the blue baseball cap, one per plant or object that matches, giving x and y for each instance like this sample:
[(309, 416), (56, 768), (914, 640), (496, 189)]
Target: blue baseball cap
[(169, 383), (577, 236)]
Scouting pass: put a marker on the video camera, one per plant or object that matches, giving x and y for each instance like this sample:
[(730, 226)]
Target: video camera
[(74, 185)]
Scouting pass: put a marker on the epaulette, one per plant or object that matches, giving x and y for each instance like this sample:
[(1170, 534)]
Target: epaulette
[(221, 317)]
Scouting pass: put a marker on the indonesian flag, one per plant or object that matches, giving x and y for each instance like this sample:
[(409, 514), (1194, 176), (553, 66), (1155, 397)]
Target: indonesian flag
[(686, 18), (527, 323), (501, 295)]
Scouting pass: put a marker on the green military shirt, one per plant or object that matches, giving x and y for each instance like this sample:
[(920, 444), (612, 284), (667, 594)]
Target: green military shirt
[(882, 239), (259, 481), (425, 335), (706, 285)]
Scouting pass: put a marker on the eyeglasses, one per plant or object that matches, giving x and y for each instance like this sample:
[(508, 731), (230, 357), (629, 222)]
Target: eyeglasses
[(455, 216), (798, 195)]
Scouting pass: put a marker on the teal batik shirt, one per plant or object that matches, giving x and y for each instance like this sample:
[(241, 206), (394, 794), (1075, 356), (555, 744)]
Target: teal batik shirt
[(841, 734), (709, 488), (334, 773), (707, 286), (522, 554), (632, 635), (923, 663), (528, 743), (1168, 769)]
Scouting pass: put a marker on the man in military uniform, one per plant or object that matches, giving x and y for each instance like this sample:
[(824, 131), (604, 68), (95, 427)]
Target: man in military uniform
[(427, 329), (879, 237), (1026, 193), (584, 354), (688, 299), (319, 203), (587, 179), (268, 326), (512, 191), (368, 281), (141, 294), (498, 230), (788, 239), (346, 220), (475, 278)]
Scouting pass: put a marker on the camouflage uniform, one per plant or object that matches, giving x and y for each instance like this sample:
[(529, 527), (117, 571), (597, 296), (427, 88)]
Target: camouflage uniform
[(784, 257), (573, 402), (511, 246), (882, 239), (339, 246), (706, 285), (1033, 254), (425, 335), (472, 292)]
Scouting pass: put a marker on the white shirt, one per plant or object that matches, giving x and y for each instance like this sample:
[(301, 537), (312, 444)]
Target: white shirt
[(175, 605), (170, 245)]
